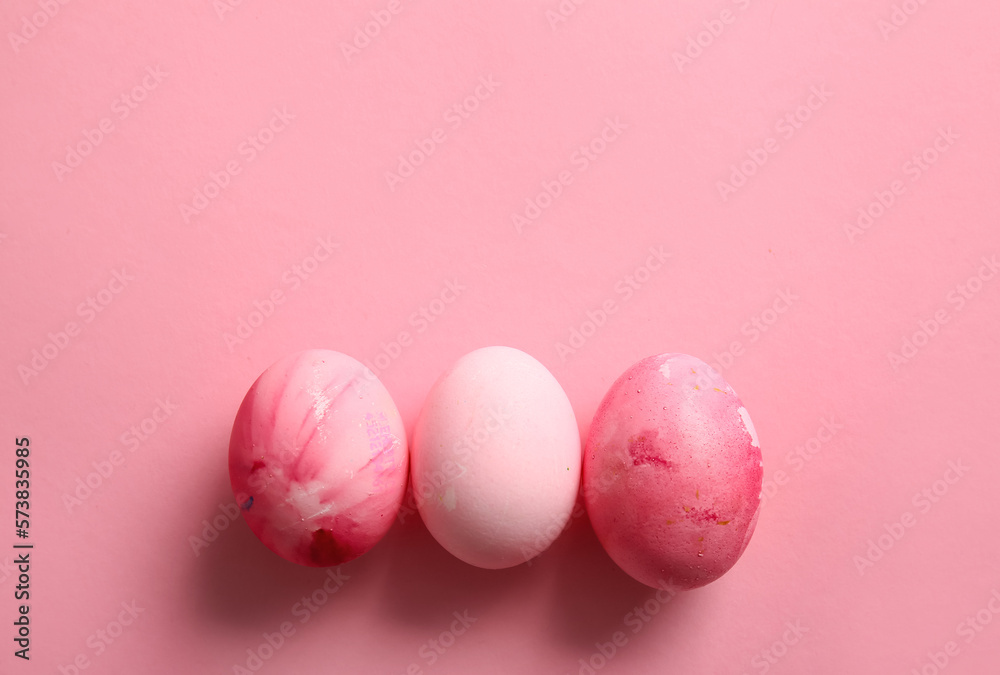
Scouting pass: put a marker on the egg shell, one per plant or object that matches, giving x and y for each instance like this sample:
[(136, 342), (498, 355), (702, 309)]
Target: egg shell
[(496, 458), (318, 458), (672, 473)]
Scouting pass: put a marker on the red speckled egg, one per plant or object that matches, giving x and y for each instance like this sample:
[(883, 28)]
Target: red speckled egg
[(672, 473)]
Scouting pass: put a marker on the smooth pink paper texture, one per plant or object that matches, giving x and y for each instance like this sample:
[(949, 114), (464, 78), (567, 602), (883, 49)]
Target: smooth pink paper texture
[(802, 194)]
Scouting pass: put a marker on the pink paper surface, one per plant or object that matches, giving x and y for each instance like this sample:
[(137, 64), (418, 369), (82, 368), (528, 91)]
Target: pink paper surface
[(803, 194)]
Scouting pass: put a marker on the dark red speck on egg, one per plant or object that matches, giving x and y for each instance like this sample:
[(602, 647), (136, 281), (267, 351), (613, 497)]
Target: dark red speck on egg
[(643, 451), (703, 515), (325, 550), (257, 466)]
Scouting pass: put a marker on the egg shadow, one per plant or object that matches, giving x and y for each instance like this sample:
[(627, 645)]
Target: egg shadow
[(592, 598), (241, 582), (424, 582)]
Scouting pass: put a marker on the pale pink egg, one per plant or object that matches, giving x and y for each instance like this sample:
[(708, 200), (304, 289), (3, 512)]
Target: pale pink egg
[(672, 473), (496, 458), (318, 458)]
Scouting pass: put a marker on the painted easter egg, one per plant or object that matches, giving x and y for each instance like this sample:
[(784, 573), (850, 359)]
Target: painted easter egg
[(496, 458), (318, 458), (672, 473)]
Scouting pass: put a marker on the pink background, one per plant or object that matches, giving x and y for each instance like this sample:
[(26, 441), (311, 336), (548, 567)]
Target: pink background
[(159, 340)]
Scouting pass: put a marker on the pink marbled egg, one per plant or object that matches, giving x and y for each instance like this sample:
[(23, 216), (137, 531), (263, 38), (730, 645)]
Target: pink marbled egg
[(318, 458), (672, 473)]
